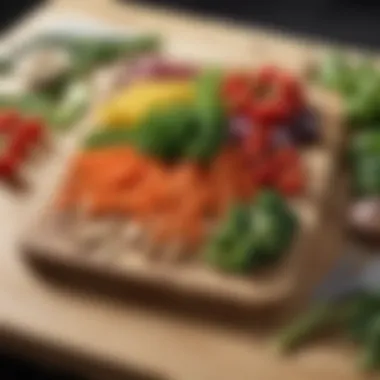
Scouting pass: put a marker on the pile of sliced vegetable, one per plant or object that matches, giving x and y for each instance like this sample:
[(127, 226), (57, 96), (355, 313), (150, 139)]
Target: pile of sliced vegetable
[(358, 84), (199, 158), (53, 73), (358, 314), (50, 78)]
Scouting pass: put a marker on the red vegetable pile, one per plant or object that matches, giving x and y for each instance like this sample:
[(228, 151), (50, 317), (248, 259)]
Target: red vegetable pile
[(269, 115), (19, 135)]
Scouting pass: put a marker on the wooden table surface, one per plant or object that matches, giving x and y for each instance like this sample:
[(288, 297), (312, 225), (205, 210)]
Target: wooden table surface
[(87, 333)]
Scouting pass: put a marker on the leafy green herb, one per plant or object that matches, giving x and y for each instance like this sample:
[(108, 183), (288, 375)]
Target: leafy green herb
[(252, 236)]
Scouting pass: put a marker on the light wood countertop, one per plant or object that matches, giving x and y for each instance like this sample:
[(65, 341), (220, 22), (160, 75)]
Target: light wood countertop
[(75, 330)]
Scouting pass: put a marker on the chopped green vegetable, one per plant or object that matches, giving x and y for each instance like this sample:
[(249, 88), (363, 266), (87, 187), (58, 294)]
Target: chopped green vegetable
[(181, 130), (366, 142), (336, 73), (366, 175), (252, 236), (110, 137), (72, 106), (359, 86), (362, 106), (165, 132)]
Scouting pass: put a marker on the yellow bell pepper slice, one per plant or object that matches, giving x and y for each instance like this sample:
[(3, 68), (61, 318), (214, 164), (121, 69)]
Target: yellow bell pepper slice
[(127, 108)]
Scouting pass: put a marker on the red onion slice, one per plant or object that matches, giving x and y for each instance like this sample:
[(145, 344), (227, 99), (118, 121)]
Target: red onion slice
[(154, 66)]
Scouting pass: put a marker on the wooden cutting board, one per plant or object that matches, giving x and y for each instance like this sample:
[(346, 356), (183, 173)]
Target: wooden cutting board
[(51, 242), (79, 332)]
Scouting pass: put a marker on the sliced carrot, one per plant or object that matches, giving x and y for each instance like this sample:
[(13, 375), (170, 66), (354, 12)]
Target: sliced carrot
[(182, 196), (103, 204)]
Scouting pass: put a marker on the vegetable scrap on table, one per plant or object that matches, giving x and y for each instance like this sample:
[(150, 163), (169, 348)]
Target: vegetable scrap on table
[(358, 313), (53, 73), (47, 83), (358, 85), (358, 317), (200, 159)]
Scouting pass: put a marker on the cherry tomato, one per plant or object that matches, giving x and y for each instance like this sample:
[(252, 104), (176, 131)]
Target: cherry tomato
[(19, 143), (236, 92), (264, 173), (276, 96), (19, 135), (258, 143), (291, 182), (287, 157), (33, 130)]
